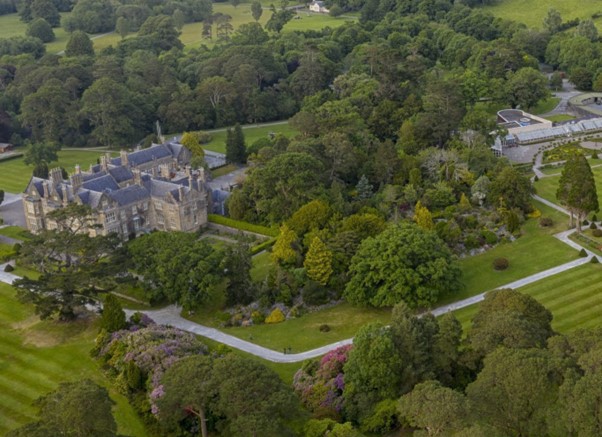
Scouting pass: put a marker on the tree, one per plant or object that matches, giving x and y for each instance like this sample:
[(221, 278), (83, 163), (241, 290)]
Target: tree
[(553, 21), (188, 389), (587, 29), (256, 10), (423, 217), (526, 87), (515, 390), (577, 189), (39, 28), (38, 154), (161, 31), (191, 140), (252, 398), (311, 216), (112, 112), (46, 10), (235, 3), (91, 16), (283, 251), (179, 19), (373, 371), (237, 265), (279, 19), (176, 268), (236, 149), (76, 409), (74, 267), (511, 319), (122, 27), (556, 81), (403, 263), (437, 409), (318, 262), (79, 44), (512, 188), (113, 317)]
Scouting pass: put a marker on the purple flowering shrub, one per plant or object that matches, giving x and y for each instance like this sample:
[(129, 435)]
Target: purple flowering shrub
[(320, 384), (152, 349)]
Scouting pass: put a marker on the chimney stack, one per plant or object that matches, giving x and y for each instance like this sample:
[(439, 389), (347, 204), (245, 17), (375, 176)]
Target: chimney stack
[(124, 157), (46, 189), (137, 176), (104, 163), (77, 181), (164, 171), (78, 169), (202, 176), (181, 193), (56, 176)]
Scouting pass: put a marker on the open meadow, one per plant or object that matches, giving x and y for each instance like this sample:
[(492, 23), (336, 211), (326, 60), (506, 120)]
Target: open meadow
[(252, 133), (36, 356), (11, 25), (532, 13), (14, 174)]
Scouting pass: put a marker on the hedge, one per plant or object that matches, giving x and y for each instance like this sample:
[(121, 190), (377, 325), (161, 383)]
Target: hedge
[(243, 226), (262, 246)]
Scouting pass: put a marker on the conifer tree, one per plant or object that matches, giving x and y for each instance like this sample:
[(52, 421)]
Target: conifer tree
[(318, 262), (236, 150), (113, 317), (283, 251), (423, 217), (364, 188)]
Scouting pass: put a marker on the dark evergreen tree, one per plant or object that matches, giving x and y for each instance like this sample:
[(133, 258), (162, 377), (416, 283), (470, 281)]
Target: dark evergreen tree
[(236, 149), (113, 317)]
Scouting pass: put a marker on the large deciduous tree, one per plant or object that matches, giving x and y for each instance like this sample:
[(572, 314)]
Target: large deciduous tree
[(526, 87), (511, 188), (75, 409), (79, 44), (577, 189), (403, 263), (176, 267)]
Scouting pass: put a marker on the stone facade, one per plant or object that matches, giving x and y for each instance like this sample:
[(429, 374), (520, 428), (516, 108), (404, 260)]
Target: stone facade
[(130, 195)]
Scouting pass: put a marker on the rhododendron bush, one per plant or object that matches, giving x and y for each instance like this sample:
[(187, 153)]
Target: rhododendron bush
[(320, 384)]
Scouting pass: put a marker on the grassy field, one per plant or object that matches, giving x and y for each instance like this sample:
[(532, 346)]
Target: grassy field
[(545, 105), (14, 174), (35, 356), (252, 133), (559, 117), (15, 232), (532, 13), (546, 187), (479, 275), (574, 298), (11, 25)]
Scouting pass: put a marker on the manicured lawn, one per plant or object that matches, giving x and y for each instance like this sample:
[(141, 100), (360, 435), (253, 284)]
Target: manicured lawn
[(252, 133), (15, 232), (559, 117), (547, 187), (312, 21), (545, 106), (36, 356), (223, 170), (534, 251), (574, 298), (532, 12), (14, 174), (303, 333)]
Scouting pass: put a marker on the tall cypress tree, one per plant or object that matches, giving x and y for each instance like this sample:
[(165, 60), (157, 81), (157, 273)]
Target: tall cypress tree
[(236, 149)]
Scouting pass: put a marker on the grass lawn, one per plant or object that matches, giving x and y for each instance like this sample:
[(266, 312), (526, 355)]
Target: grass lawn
[(14, 174), (574, 298), (532, 13), (534, 251), (15, 232), (303, 333), (262, 263), (36, 356), (559, 117), (252, 133), (229, 168), (312, 21), (544, 106), (546, 187)]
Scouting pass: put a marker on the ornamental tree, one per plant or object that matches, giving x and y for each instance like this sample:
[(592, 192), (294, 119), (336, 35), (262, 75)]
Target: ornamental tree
[(577, 189), (423, 217), (403, 263), (318, 262), (283, 252), (113, 317)]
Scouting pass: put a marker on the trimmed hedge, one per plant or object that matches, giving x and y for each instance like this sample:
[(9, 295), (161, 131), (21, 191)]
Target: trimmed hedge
[(243, 226), (262, 246)]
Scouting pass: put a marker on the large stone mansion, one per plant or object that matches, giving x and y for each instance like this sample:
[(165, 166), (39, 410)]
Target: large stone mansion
[(132, 194)]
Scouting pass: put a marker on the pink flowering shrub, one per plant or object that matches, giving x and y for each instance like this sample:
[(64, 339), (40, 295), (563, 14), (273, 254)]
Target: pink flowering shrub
[(153, 349), (320, 384)]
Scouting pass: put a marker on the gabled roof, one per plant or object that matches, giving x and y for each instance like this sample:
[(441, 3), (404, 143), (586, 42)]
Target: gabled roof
[(128, 195), (147, 155), (121, 174), (103, 183)]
